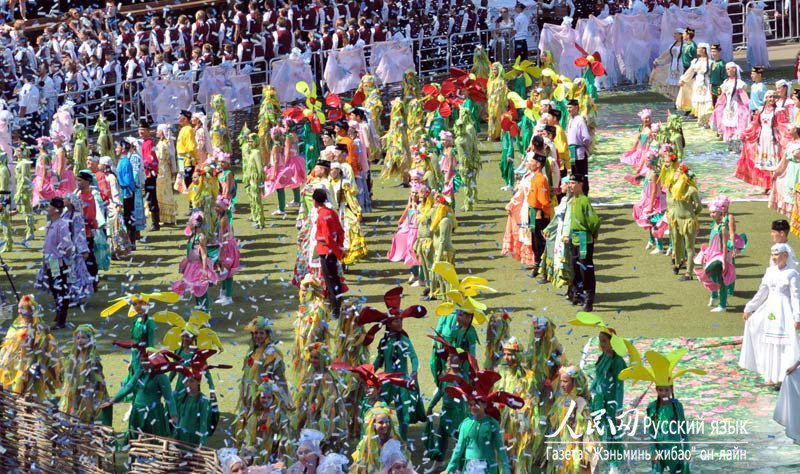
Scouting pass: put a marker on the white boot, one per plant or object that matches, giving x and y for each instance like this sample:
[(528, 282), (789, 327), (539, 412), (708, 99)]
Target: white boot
[(221, 299), (711, 301)]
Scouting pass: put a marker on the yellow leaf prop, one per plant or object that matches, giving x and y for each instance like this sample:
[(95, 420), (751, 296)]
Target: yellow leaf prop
[(528, 69), (661, 370), (206, 338), (527, 106), (313, 104), (119, 303), (592, 320), (461, 293)]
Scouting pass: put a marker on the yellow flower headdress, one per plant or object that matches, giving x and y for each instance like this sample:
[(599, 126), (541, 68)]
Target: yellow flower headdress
[(462, 292), (206, 337), (528, 69), (619, 344), (661, 370), (130, 299)]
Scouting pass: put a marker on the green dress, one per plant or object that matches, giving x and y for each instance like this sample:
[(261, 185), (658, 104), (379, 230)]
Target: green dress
[(194, 419), (452, 415), (607, 394), (481, 440), (24, 193), (666, 439), (180, 388), (460, 338), (474, 112), (507, 166), (147, 412), (526, 126), (436, 125), (311, 146), (5, 215), (142, 331), (394, 352), (253, 179)]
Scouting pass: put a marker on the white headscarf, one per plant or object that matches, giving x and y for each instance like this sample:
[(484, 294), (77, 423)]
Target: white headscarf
[(228, 457)]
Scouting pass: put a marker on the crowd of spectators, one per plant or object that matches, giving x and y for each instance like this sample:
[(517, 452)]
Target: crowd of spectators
[(94, 52)]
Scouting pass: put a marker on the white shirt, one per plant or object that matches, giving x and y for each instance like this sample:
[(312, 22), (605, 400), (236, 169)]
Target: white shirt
[(521, 23), (28, 97)]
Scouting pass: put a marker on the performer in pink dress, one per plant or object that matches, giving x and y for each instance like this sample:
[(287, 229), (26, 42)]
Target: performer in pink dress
[(287, 169), (714, 263), (517, 239), (43, 190), (650, 212), (635, 155), (228, 257), (448, 164), (64, 178), (731, 115), (196, 268), (761, 145)]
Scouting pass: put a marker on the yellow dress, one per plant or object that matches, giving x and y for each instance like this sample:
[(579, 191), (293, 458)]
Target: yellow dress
[(29, 360), (497, 98), (167, 206), (311, 323), (350, 214)]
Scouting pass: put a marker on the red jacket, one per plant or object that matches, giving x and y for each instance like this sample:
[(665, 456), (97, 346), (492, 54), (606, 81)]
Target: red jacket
[(89, 212), (330, 235)]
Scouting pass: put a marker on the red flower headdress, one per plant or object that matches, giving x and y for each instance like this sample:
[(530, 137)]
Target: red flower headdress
[(338, 108), (440, 98), (469, 85), (366, 372), (392, 299), (592, 61)]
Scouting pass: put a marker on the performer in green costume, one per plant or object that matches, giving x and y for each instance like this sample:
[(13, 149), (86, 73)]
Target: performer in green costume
[(24, 190), (395, 352), (665, 412), (480, 438)]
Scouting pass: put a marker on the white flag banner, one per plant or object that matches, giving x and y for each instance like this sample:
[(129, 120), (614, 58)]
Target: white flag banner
[(226, 81), (165, 98), (344, 69), (390, 60), (288, 72)]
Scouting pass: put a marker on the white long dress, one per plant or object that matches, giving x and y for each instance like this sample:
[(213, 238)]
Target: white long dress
[(769, 344), (786, 410), (756, 36)]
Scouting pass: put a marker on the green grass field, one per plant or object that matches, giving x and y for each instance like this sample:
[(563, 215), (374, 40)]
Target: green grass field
[(637, 292)]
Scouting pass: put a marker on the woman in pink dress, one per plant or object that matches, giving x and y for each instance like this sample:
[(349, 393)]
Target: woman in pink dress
[(63, 177), (201, 136), (196, 268), (731, 115), (43, 189), (635, 155), (286, 169), (228, 257), (761, 145), (402, 249), (714, 263), (650, 212), (448, 164)]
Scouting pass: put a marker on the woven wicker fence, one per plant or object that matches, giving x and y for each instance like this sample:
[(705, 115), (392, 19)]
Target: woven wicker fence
[(151, 454), (35, 437)]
